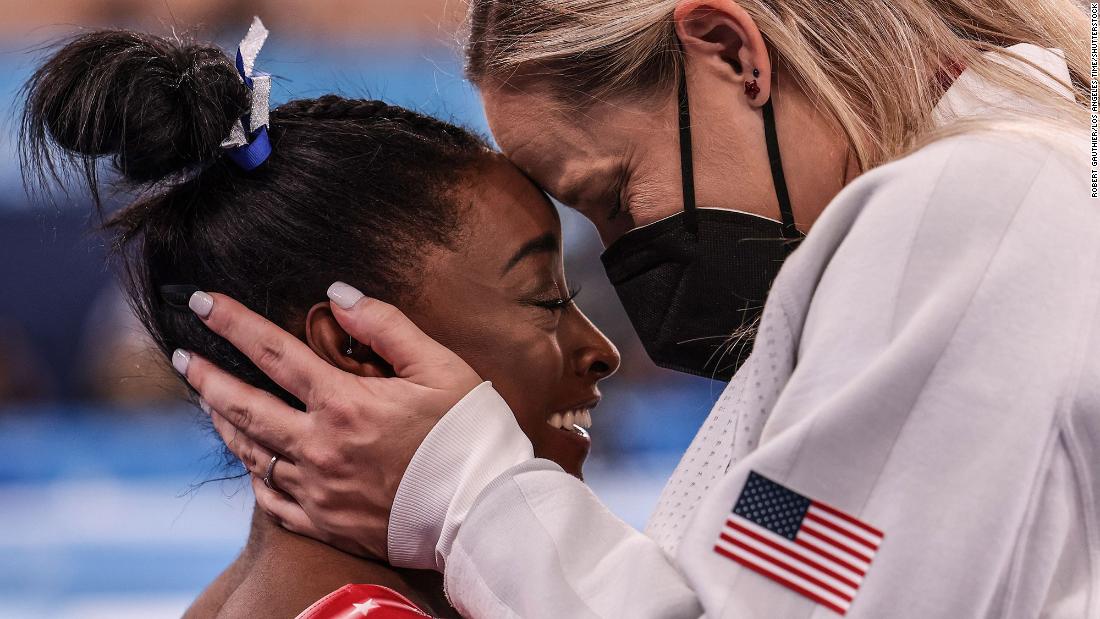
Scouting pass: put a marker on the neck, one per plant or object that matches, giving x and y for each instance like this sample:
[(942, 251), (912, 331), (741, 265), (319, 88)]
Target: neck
[(293, 571), (817, 159), (821, 161), (267, 539)]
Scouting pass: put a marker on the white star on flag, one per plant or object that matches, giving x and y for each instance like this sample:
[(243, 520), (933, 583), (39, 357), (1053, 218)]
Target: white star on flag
[(366, 607)]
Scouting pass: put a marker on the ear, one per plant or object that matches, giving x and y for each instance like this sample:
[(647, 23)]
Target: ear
[(329, 340), (720, 35)]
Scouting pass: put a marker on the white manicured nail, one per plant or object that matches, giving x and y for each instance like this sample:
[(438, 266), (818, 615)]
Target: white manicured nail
[(344, 295), (204, 406), (180, 360), (201, 303)]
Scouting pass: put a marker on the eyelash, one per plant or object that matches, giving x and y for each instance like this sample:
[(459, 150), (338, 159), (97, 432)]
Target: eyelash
[(559, 303)]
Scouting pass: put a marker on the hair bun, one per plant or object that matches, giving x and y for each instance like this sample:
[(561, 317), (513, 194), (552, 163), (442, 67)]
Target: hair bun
[(157, 106)]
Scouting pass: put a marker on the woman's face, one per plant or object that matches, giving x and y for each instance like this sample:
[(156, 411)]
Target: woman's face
[(619, 163), (500, 300)]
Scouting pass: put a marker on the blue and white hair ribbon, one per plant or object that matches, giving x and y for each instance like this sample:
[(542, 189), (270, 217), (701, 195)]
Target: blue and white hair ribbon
[(248, 149)]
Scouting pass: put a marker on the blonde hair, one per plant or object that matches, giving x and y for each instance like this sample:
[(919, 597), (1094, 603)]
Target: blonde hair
[(868, 65)]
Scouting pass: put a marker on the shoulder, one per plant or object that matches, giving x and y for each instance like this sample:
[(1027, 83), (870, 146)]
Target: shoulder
[(966, 200), (283, 597), (293, 573), (367, 600), (946, 201), (996, 230), (982, 178)]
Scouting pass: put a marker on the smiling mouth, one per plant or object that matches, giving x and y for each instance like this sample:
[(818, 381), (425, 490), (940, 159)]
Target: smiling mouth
[(578, 419)]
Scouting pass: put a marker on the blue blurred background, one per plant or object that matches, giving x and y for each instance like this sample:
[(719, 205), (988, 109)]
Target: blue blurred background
[(106, 508)]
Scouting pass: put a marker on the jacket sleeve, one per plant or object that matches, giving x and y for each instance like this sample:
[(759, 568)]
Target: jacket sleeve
[(516, 536)]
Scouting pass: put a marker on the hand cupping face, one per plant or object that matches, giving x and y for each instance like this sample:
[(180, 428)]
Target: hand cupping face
[(351, 424)]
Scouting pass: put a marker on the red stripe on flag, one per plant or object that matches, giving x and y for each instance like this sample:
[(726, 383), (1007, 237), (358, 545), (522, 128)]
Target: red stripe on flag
[(846, 534), (829, 556), (791, 553), (774, 576), (790, 568), (845, 517), (833, 542)]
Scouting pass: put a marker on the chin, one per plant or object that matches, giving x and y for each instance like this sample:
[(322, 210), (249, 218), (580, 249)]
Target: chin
[(576, 470), (569, 449)]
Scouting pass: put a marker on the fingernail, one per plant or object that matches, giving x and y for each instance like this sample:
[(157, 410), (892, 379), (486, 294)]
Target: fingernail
[(201, 303), (180, 360), (204, 406), (344, 295)]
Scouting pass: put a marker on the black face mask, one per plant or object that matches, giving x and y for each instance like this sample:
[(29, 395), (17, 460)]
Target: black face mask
[(694, 284)]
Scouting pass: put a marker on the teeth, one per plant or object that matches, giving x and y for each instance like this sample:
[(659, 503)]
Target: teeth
[(578, 417), (583, 418)]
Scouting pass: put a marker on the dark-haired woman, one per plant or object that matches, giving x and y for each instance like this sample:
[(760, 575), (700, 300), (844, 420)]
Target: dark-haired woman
[(415, 211)]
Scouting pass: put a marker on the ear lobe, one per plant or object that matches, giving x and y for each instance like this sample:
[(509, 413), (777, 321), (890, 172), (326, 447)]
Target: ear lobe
[(329, 340), (722, 32)]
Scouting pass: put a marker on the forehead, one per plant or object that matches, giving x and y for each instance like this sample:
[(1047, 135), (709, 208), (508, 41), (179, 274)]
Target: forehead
[(505, 210), (557, 146)]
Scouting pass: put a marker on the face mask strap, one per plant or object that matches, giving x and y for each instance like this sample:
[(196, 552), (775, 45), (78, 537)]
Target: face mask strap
[(785, 210), (687, 170)]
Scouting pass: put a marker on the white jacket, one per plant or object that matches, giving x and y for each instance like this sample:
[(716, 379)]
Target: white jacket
[(924, 392)]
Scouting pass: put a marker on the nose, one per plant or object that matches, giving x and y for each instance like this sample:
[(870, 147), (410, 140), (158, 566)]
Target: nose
[(595, 357)]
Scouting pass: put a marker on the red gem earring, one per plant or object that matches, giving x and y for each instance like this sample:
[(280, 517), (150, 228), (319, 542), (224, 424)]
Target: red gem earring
[(751, 88)]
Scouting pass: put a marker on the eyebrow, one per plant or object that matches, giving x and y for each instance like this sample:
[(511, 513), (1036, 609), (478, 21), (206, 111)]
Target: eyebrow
[(544, 244)]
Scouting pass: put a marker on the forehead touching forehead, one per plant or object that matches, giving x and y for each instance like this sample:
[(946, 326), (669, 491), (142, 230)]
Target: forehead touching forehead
[(504, 207), (561, 148)]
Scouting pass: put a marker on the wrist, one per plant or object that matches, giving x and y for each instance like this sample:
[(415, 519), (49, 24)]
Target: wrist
[(472, 444)]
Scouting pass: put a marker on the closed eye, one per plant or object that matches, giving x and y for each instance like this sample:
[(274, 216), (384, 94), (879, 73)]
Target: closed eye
[(557, 303)]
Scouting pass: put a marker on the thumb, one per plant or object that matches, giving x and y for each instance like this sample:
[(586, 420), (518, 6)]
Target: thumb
[(387, 331)]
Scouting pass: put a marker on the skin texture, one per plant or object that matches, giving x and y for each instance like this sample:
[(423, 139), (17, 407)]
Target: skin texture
[(624, 154), (493, 310), (590, 157)]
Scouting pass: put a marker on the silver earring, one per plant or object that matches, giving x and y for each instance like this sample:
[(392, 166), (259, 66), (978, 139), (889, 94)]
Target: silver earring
[(351, 343)]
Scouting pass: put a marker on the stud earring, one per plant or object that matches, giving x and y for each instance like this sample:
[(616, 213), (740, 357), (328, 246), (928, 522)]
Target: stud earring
[(751, 88)]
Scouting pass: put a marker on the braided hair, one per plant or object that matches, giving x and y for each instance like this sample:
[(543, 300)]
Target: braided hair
[(354, 190)]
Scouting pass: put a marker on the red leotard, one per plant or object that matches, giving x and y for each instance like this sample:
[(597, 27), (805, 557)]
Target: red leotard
[(358, 601)]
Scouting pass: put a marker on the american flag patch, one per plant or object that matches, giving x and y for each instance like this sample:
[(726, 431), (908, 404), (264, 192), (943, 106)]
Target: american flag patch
[(816, 550)]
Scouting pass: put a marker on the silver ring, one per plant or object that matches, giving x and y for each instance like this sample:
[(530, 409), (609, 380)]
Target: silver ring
[(269, 481)]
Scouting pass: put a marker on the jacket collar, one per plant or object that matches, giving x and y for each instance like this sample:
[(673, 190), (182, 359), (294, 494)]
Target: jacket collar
[(970, 95)]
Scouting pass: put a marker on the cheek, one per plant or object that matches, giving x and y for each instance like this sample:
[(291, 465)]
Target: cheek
[(611, 229), (504, 343), (655, 195), (526, 368)]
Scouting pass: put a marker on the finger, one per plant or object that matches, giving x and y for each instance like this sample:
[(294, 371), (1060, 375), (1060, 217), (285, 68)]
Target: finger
[(251, 454), (284, 476), (280, 355), (386, 329), (254, 412), (254, 456), (285, 511)]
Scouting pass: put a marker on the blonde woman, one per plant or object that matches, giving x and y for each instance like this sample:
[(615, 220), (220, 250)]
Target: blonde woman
[(916, 430)]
